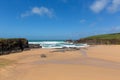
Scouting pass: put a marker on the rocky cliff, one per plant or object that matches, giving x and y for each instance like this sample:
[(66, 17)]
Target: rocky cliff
[(101, 39), (13, 45)]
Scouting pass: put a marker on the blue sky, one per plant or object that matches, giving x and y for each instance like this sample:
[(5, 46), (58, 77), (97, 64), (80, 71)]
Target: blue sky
[(58, 19)]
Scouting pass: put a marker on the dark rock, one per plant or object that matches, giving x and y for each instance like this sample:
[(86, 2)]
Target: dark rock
[(13, 45), (99, 41), (69, 41), (43, 56), (34, 46), (109, 39)]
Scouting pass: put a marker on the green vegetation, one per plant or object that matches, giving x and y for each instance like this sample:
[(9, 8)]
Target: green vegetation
[(101, 39), (105, 36)]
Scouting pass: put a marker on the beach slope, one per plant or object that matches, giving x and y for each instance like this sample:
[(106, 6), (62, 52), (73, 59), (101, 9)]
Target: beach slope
[(100, 62)]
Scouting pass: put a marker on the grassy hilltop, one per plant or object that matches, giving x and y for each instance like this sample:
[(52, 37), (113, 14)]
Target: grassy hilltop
[(101, 39), (105, 36)]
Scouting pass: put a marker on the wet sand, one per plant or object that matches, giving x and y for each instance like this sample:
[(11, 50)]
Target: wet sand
[(95, 63)]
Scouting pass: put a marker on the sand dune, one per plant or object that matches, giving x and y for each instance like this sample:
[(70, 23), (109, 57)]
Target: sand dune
[(98, 63)]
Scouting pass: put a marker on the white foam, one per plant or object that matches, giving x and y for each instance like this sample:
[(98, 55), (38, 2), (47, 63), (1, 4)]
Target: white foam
[(46, 42), (58, 44)]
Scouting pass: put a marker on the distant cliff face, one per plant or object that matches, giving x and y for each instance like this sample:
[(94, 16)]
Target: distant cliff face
[(101, 39), (12, 45)]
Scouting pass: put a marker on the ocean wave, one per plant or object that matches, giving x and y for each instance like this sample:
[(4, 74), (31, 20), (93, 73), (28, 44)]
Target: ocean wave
[(57, 44)]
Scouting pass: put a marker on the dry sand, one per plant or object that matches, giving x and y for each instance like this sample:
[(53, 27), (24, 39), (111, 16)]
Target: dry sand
[(98, 63)]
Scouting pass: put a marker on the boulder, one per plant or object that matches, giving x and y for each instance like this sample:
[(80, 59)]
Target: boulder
[(13, 45)]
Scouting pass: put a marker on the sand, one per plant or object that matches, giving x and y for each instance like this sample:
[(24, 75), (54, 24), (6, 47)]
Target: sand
[(101, 62)]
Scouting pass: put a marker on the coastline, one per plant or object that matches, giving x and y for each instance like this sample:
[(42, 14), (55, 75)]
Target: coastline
[(101, 62)]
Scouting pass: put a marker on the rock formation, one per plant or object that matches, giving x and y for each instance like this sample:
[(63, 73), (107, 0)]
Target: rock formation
[(13, 45), (101, 39)]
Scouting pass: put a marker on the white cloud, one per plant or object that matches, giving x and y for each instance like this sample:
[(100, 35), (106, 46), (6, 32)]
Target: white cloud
[(98, 5), (110, 5), (115, 6), (41, 11)]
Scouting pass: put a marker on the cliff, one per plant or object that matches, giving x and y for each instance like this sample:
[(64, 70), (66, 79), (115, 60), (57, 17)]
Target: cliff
[(13, 45), (101, 39)]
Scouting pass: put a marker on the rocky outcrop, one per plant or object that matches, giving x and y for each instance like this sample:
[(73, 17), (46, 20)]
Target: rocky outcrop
[(113, 38), (98, 41), (13, 45), (69, 41), (34, 46)]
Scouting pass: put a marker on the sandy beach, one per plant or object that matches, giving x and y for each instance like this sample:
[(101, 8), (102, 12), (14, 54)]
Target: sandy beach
[(101, 62)]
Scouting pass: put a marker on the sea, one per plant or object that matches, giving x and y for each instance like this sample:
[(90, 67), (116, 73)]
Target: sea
[(55, 43)]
